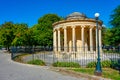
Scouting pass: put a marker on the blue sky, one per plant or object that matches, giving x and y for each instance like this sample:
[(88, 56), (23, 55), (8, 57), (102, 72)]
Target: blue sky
[(28, 11)]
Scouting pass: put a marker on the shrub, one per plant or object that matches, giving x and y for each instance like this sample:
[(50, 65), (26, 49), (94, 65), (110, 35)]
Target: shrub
[(66, 64), (18, 58), (0, 46), (115, 64), (36, 62), (104, 64), (91, 64)]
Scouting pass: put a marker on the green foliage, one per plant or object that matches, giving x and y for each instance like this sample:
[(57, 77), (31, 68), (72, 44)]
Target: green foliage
[(7, 34), (104, 64), (115, 64), (20, 35), (111, 51), (107, 38), (19, 57), (0, 46), (115, 39), (84, 70), (91, 65), (12, 34), (47, 20), (104, 34), (20, 32), (44, 29), (106, 72), (115, 22), (36, 62), (66, 64), (115, 17), (29, 37)]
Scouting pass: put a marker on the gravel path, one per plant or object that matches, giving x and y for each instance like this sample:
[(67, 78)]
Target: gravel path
[(10, 70)]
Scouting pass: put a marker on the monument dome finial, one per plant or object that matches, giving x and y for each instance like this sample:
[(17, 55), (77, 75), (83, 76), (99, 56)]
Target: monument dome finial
[(76, 15)]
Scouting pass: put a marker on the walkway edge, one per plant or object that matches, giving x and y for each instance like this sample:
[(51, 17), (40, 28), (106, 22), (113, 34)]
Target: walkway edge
[(77, 74)]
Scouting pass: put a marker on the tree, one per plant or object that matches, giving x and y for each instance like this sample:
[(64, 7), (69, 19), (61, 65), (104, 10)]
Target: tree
[(13, 34), (115, 18), (44, 30), (20, 31), (47, 20), (115, 22), (7, 34), (29, 37), (115, 38), (107, 36), (0, 35), (21, 35)]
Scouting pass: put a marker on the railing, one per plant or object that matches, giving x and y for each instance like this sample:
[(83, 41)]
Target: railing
[(49, 56)]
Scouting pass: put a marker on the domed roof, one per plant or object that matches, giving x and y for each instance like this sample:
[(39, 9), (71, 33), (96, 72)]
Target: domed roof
[(76, 15)]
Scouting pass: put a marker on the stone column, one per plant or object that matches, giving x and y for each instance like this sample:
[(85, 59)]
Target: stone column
[(59, 46), (65, 39), (82, 38), (100, 40), (73, 38), (91, 40), (54, 41)]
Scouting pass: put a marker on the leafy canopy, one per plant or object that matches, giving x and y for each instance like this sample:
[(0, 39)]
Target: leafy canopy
[(115, 22), (20, 35)]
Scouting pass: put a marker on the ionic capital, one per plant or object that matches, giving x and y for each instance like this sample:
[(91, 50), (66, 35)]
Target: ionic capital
[(73, 26), (65, 27), (54, 29), (82, 26), (91, 27), (58, 29)]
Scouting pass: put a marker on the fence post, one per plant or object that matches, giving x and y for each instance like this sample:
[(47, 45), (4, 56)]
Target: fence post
[(12, 52), (32, 52), (118, 48)]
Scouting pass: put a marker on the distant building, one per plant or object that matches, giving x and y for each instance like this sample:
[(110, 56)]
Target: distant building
[(76, 34)]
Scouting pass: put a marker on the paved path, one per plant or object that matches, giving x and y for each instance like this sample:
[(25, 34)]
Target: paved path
[(10, 70)]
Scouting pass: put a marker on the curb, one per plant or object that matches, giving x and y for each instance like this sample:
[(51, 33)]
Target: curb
[(78, 74)]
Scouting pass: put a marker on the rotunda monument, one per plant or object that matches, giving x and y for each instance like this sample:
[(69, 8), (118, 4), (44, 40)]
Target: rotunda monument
[(76, 35)]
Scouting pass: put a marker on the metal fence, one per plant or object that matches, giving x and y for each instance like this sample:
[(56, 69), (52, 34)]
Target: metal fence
[(49, 57)]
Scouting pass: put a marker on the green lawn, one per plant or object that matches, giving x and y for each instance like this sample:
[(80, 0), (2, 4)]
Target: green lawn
[(106, 72)]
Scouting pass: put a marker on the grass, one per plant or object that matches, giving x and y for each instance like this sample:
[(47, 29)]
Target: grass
[(66, 64), (18, 58), (106, 72), (36, 62)]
